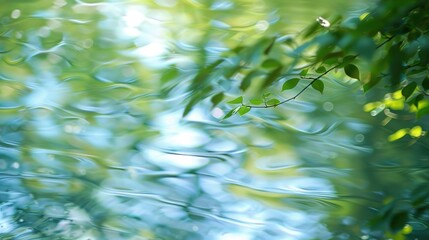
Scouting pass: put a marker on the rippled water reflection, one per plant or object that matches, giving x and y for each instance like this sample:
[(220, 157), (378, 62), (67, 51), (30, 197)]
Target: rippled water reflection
[(90, 149)]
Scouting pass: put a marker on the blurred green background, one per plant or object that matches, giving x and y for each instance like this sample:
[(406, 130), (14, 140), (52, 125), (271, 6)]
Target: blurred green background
[(93, 144)]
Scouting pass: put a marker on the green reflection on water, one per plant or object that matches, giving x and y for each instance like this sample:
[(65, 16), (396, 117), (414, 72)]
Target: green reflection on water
[(93, 144)]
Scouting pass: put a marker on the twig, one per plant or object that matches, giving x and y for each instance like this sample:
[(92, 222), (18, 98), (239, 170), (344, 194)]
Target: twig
[(312, 81)]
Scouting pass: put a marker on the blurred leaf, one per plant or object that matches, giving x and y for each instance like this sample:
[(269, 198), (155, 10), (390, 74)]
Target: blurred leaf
[(303, 73), (271, 63), (398, 221), (216, 99), (266, 94), (289, 84), (245, 83), (416, 131), (273, 102), (352, 71), (238, 100), (395, 64), (268, 49), (243, 110), (408, 90), (372, 82), (256, 101), (398, 135), (272, 77), (318, 85), (425, 83)]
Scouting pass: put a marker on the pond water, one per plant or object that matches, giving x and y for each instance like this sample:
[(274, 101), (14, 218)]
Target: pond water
[(93, 144)]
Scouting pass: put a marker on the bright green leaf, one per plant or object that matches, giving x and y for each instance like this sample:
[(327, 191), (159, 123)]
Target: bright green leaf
[(409, 89), (216, 99), (398, 221), (271, 63), (416, 131), (318, 85), (273, 102), (238, 100), (303, 73), (289, 84), (231, 112), (243, 110), (352, 71), (266, 94), (256, 101), (398, 134)]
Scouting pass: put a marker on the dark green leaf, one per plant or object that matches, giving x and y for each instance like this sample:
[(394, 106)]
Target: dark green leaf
[(216, 99), (238, 100), (425, 83), (398, 221), (318, 85), (321, 69), (268, 49), (256, 101), (272, 77), (415, 101), (303, 73), (408, 90), (395, 64), (245, 83), (271, 63), (348, 59), (289, 84), (273, 102), (243, 110), (352, 71)]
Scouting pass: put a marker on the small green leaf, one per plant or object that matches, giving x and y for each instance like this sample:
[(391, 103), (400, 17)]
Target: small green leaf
[(266, 94), (238, 100), (273, 102), (216, 99), (348, 58), (268, 49), (352, 71), (245, 83), (398, 221), (289, 84), (256, 101), (409, 89), (318, 85), (271, 63), (416, 131), (303, 73), (321, 69), (425, 83), (398, 134), (231, 112), (243, 110)]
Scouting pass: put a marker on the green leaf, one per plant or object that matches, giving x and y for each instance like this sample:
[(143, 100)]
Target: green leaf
[(425, 83), (318, 85), (352, 71), (266, 94), (270, 47), (398, 134), (409, 89), (289, 84), (231, 112), (238, 100), (272, 77), (256, 101), (243, 110), (273, 102), (245, 83), (271, 63), (398, 221), (321, 69), (216, 99), (349, 58), (303, 73)]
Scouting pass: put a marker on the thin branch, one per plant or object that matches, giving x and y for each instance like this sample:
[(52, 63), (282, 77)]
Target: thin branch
[(312, 81)]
